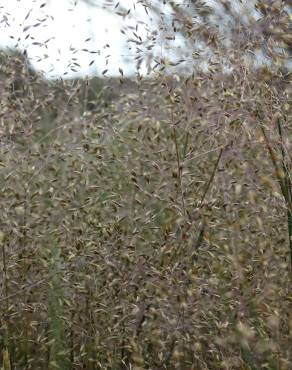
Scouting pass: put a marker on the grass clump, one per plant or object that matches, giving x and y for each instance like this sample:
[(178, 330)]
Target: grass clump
[(150, 233)]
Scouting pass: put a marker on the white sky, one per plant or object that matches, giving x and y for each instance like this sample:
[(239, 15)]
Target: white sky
[(56, 32), (62, 29)]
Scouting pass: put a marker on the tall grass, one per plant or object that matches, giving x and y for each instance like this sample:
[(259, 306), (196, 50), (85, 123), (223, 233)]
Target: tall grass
[(150, 233), (57, 345)]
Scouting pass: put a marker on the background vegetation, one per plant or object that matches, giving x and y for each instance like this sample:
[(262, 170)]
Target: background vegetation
[(147, 224)]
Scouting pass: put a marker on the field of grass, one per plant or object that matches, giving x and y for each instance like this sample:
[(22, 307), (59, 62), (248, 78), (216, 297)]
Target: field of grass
[(150, 233)]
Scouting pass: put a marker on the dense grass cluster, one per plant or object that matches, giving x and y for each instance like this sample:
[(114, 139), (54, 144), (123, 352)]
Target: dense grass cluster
[(150, 233)]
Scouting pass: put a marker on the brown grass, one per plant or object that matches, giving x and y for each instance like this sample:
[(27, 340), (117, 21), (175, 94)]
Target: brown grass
[(150, 233)]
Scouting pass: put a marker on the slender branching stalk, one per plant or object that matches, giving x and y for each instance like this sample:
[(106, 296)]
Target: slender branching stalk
[(282, 174), (6, 344), (179, 171), (59, 356)]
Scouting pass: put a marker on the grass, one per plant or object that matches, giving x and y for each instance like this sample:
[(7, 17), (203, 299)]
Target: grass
[(149, 234)]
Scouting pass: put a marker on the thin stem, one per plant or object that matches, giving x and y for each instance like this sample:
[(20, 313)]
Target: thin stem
[(211, 177), (5, 280), (284, 181), (287, 188), (179, 171), (6, 354)]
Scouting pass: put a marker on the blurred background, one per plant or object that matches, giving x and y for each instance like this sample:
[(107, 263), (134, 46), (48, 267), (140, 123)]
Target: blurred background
[(84, 37)]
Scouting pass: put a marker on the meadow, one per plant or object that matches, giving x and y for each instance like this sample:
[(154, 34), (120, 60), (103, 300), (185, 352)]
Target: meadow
[(150, 229)]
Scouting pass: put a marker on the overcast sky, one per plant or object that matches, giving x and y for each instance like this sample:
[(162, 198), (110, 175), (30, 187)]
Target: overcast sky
[(66, 38)]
